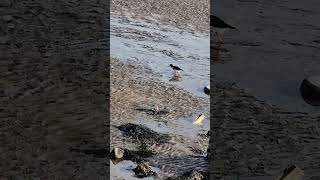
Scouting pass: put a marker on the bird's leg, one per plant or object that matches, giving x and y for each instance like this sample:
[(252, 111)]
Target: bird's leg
[(175, 73)]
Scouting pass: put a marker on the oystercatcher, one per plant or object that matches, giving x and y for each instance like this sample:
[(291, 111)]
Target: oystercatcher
[(176, 69), (219, 26)]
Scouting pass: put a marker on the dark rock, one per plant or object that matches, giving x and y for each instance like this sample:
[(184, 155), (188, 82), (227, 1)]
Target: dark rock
[(207, 90), (143, 134), (191, 175), (118, 155), (143, 170), (310, 90)]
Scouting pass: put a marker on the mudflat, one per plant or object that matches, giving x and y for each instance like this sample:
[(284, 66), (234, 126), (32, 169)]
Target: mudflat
[(248, 137), (179, 145)]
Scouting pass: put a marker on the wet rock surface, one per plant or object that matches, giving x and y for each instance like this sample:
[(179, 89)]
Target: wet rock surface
[(143, 134), (192, 175), (143, 170)]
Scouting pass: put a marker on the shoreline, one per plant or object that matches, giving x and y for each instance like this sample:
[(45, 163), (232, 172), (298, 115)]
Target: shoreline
[(250, 137), (130, 92)]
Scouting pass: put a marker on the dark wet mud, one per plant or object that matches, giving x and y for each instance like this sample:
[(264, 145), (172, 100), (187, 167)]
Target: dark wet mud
[(275, 48), (252, 138)]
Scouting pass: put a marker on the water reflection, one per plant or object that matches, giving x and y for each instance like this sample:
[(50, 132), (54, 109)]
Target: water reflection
[(176, 77), (219, 53)]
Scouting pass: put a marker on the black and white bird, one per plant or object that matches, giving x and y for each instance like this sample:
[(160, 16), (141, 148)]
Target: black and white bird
[(219, 26), (176, 69)]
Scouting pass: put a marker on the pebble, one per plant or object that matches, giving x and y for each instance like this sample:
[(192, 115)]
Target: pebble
[(310, 90), (143, 170), (117, 153)]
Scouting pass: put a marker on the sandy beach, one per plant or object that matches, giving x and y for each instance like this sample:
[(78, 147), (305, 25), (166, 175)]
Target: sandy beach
[(52, 97), (248, 137), (130, 92), (53, 103), (185, 14), (136, 86)]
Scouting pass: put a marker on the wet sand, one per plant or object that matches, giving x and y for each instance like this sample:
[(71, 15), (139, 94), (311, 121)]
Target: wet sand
[(52, 95), (248, 136), (275, 48), (135, 86), (130, 91), (186, 14)]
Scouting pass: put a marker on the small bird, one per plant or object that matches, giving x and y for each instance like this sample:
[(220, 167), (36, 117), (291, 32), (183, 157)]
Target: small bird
[(198, 120), (219, 26), (176, 69)]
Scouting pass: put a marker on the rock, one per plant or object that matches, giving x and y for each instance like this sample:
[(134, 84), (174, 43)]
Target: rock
[(310, 90), (143, 134), (195, 175), (117, 153), (143, 170), (191, 175), (207, 90)]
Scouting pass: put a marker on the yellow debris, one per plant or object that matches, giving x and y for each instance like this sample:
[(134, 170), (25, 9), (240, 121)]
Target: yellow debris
[(198, 120)]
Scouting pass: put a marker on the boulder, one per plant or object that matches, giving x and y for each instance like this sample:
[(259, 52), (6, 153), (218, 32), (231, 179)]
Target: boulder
[(117, 153), (143, 170), (207, 90), (310, 90)]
